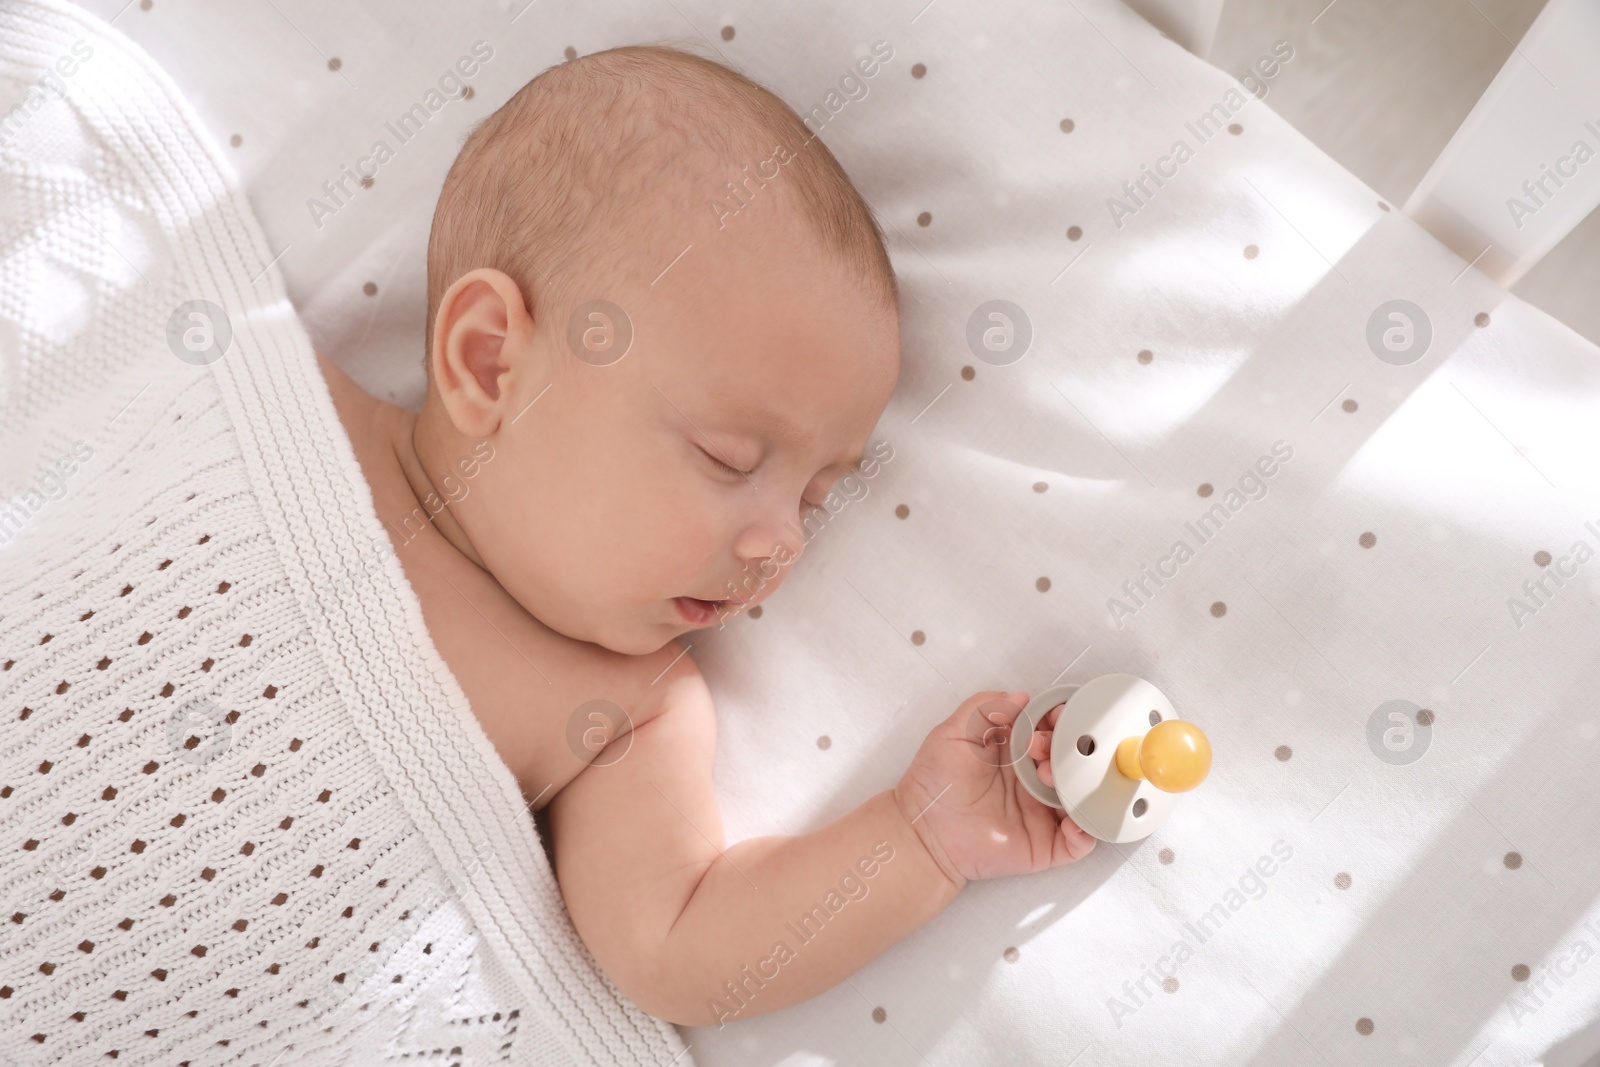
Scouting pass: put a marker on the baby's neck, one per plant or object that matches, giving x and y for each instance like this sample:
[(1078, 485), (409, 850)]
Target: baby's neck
[(385, 437)]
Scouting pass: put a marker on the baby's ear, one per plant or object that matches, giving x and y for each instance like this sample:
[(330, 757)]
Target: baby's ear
[(469, 357)]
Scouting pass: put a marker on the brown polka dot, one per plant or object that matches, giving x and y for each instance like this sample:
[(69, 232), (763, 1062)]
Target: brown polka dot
[(824, 741), (1219, 609), (1251, 251), (1512, 860), (1481, 319), (1170, 985), (901, 511), (1165, 855), (917, 71), (1342, 880), (1145, 355), (727, 33), (1349, 405), (1368, 539), (1283, 752), (1541, 558), (1363, 1026), (370, 288), (755, 612), (1424, 717), (924, 219), (468, 93), (236, 140), (1043, 585), (570, 52), (1067, 125), (1520, 972), (1039, 487), (366, 181), (1205, 489), (967, 373), (1074, 232), (1382, 206), (917, 637), (146, 5), (335, 63), (1235, 129), (878, 1015)]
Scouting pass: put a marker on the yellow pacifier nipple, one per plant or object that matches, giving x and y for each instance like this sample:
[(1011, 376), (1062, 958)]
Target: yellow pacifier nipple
[(1174, 756)]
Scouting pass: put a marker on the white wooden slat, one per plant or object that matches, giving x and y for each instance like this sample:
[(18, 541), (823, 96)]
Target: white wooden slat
[(1192, 23), (1524, 168)]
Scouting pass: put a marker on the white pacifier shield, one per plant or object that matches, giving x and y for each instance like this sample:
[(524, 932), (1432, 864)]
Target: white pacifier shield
[(1097, 796)]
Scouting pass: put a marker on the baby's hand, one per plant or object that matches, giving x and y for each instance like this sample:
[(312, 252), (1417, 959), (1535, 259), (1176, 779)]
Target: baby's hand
[(967, 806)]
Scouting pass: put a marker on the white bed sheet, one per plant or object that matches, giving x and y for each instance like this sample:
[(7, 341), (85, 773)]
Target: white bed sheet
[(1395, 931)]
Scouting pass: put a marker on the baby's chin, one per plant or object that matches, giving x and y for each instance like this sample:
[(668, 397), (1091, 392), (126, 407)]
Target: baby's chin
[(639, 632)]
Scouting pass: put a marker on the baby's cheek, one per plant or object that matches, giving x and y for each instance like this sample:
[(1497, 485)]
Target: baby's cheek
[(454, 489)]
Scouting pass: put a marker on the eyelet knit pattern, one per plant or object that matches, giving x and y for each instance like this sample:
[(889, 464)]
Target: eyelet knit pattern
[(246, 814)]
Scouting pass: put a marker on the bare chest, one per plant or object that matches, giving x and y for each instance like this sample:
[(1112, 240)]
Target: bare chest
[(546, 702)]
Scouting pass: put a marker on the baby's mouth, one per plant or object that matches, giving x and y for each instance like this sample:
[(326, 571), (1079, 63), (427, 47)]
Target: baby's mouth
[(698, 612)]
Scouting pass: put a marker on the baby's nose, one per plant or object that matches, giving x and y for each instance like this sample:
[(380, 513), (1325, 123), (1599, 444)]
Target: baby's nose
[(781, 543)]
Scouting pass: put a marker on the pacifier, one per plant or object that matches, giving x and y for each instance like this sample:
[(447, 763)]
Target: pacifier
[(1120, 755)]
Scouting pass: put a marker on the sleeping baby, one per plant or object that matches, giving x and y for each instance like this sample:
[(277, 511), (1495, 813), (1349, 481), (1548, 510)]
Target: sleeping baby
[(635, 396)]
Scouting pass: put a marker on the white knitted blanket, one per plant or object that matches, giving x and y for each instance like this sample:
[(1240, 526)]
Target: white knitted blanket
[(246, 815)]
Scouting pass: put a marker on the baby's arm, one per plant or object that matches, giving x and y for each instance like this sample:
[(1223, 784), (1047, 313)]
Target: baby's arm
[(673, 917), (695, 933)]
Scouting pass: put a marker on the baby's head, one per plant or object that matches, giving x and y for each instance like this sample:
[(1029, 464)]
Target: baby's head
[(764, 336)]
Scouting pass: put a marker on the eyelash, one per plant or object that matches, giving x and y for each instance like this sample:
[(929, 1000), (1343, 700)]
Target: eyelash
[(735, 470), (724, 466)]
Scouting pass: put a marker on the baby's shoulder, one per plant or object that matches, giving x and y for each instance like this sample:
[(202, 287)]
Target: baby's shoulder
[(550, 703)]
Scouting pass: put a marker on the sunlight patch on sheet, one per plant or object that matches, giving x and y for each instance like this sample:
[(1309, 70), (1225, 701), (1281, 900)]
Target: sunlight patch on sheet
[(1187, 382), (1326, 227), (1507, 443), (798, 1058), (999, 470)]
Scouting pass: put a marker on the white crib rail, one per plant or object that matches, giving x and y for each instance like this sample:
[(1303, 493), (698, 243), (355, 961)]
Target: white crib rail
[(1192, 23), (1524, 168)]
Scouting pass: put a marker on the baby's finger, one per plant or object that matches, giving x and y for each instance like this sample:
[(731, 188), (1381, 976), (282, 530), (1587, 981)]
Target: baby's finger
[(983, 718), (1039, 744), (1076, 842), (1047, 774)]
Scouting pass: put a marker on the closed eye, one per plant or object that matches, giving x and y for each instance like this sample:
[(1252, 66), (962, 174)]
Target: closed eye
[(724, 466), (805, 505)]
